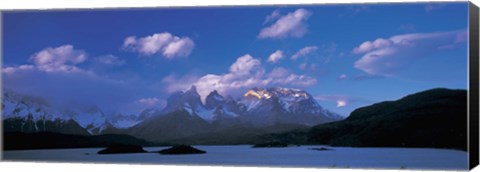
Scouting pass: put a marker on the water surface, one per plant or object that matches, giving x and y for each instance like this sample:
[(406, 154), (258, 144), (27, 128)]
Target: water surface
[(303, 156)]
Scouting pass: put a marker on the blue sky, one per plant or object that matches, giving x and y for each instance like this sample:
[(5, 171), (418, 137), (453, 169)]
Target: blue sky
[(347, 56)]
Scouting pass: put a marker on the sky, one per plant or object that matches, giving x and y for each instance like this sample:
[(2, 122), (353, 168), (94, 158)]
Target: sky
[(126, 60)]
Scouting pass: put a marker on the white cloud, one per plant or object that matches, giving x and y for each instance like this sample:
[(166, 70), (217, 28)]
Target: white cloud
[(129, 41), (62, 59), (110, 60), (13, 69), (272, 17), (291, 25), (275, 56), (65, 59), (342, 77), (296, 80), (180, 47), (149, 101), (59, 59), (341, 103), (342, 100), (245, 72), (283, 76), (304, 51), (388, 56), (165, 43), (245, 65), (369, 46)]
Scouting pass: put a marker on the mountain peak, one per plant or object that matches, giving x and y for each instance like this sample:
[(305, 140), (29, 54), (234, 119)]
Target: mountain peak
[(214, 92), (213, 100), (181, 100), (193, 88), (192, 91)]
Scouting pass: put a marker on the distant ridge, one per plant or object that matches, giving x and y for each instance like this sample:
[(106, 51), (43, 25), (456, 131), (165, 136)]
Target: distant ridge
[(434, 118)]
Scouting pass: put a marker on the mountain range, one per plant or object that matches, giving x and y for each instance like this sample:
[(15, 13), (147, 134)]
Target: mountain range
[(24, 113), (184, 116), (433, 118)]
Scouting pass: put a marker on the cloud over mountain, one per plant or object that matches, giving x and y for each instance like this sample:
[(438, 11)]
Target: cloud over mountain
[(245, 72)]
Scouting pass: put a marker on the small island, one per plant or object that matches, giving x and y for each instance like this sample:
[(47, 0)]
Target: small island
[(181, 149)]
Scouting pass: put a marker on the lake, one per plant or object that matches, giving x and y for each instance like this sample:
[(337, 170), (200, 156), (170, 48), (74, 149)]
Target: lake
[(244, 155)]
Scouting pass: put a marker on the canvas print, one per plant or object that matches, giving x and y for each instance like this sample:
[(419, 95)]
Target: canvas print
[(371, 86)]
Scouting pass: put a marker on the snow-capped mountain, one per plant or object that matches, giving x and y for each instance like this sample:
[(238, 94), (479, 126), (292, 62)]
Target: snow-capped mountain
[(213, 100), (90, 117), (224, 108), (18, 106), (126, 121), (190, 102), (258, 106), (184, 115), (19, 111), (37, 112), (216, 107), (32, 114), (284, 105)]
